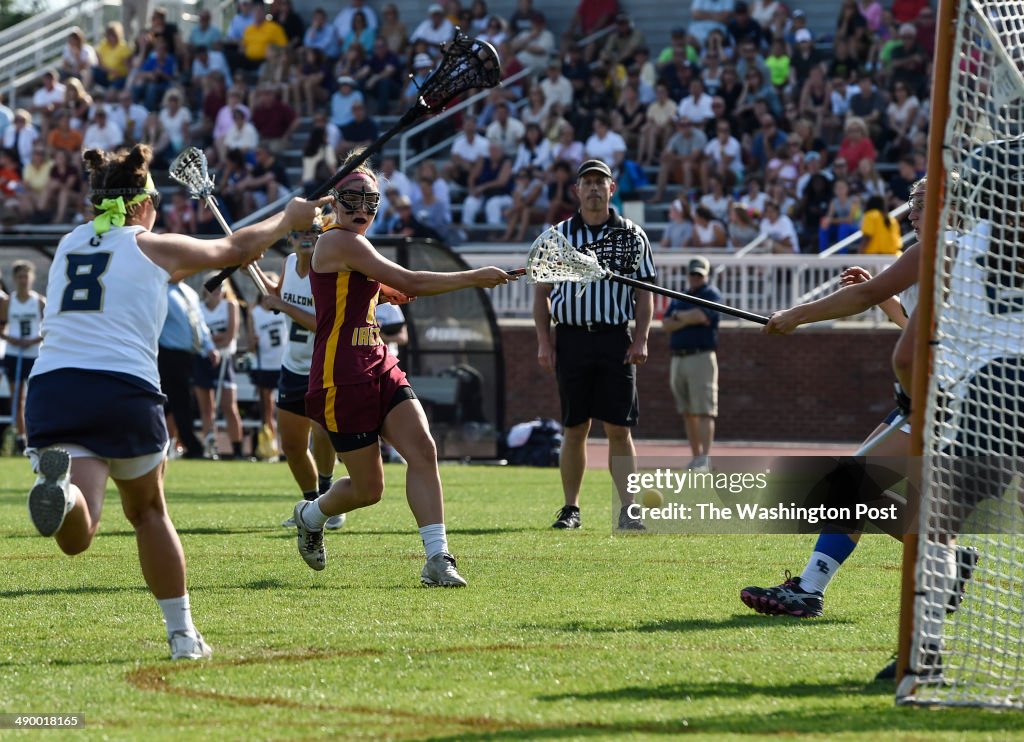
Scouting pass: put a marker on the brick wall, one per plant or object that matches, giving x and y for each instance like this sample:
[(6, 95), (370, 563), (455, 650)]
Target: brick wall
[(830, 384)]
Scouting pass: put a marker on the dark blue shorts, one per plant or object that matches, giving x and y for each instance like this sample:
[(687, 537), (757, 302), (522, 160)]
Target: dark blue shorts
[(265, 379), (113, 415), (11, 366), (205, 374), (291, 392)]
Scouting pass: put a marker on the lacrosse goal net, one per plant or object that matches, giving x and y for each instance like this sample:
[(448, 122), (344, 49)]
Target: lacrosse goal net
[(970, 374)]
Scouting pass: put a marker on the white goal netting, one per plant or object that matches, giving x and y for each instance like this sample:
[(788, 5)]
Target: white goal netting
[(970, 651)]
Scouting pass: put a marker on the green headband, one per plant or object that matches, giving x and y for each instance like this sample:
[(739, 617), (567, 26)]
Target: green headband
[(111, 212)]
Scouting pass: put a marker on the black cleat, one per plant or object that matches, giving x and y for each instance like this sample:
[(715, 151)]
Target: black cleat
[(568, 517), (627, 523), (785, 599), (966, 560)]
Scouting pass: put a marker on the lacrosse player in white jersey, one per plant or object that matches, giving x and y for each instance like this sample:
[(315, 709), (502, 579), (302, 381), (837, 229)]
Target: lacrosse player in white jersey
[(268, 333), (94, 409), (313, 470), (23, 314)]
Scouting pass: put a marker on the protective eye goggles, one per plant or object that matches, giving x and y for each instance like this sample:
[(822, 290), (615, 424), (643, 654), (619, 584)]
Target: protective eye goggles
[(306, 240), (358, 200)]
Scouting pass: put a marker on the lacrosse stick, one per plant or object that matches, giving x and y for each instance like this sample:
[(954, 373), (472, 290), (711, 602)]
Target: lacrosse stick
[(553, 259), (467, 64), (190, 169)]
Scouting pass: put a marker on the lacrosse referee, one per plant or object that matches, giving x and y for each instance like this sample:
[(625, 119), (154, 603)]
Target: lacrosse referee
[(592, 352)]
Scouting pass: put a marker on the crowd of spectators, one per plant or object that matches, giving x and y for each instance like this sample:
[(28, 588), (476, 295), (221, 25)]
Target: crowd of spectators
[(742, 125)]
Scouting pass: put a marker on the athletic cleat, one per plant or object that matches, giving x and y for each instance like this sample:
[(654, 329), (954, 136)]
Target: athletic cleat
[(335, 522), (568, 517), (311, 543), (50, 500), (930, 672), (785, 599), (440, 571), (210, 447), (626, 523), (966, 561), (699, 463), (290, 523), (186, 645)]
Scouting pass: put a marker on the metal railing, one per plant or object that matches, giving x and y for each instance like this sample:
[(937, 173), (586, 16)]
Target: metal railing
[(406, 161), (854, 238), (756, 283)]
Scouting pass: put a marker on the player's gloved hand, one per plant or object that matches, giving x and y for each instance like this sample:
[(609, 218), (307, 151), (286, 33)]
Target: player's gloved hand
[(902, 400)]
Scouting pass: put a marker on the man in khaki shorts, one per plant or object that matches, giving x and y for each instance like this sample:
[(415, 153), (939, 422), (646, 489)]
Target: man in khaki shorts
[(693, 374)]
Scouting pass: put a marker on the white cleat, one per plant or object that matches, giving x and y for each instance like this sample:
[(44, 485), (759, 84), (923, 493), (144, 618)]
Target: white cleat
[(186, 645), (311, 543), (335, 522), (290, 523), (440, 571), (50, 499)]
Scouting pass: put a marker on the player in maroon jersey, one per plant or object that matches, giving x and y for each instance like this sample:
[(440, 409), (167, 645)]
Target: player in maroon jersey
[(358, 393)]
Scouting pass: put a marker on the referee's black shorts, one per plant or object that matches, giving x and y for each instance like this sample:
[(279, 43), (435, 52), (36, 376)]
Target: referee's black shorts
[(594, 380)]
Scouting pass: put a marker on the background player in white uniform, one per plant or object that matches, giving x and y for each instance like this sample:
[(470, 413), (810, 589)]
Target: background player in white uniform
[(94, 408), (3, 350), (292, 296), (268, 333), (23, 314), (221, 314)]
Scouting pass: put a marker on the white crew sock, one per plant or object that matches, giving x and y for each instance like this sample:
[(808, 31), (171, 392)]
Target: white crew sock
[(313, 517), (937, 575), (820, 570), (177, 614), (435, 539)]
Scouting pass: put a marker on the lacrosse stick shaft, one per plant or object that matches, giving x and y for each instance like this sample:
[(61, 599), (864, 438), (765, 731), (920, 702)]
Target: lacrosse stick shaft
[(217, 280), (321, 190), (724, 309), (871, 443), (408, 119)]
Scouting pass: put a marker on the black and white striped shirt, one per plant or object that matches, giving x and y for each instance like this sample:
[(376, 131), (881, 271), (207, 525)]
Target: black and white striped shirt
[(598, 302)]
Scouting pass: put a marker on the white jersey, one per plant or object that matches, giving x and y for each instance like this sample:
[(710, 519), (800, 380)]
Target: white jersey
[(217, 320), (982, 322), (106, 304), (296, 291), (3, 343), (271, 329), (908, 299), (24, 319)]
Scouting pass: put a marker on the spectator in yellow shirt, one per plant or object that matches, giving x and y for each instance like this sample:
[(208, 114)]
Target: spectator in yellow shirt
[(881, 232), (114, 55), (263, 32)]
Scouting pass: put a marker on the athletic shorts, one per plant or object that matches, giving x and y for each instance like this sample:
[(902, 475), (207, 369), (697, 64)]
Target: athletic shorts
[(11, 367), (694, 382), (265, 378), (594, 381), (291, 392), (111, 415), (353, 415), (205, 375)]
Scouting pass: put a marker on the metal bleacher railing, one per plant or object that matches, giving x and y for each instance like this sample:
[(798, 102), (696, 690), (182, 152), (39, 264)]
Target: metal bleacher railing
[(755, 283)]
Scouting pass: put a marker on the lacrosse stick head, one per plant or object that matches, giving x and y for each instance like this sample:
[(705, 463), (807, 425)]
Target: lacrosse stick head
[(553, 259), (467, 64), (190, 169)]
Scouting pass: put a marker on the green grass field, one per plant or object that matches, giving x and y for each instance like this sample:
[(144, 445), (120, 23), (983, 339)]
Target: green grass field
[(578, 635)]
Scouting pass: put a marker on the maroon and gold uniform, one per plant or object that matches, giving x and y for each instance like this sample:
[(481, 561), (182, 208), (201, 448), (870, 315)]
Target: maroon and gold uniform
[(353, 378)]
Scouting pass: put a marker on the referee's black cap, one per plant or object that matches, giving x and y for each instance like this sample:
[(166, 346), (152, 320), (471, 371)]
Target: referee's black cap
[(592, 166)]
